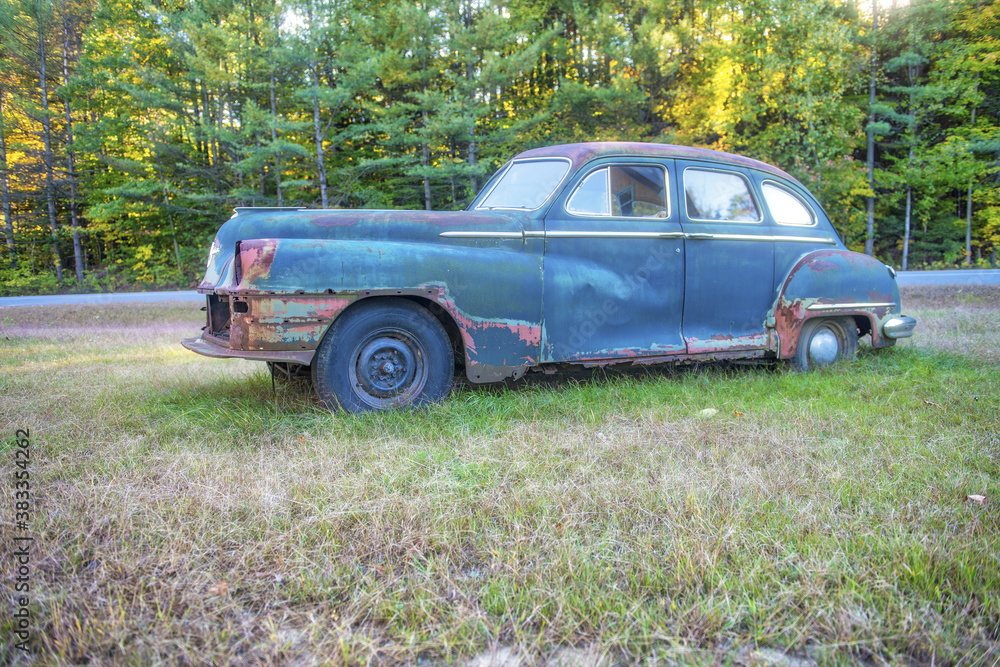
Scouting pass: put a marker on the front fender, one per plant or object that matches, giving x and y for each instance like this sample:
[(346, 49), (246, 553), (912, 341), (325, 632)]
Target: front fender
[(493, 294), (834, 283)]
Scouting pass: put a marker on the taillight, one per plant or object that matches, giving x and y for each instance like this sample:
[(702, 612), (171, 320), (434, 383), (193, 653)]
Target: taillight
[(238, 264)]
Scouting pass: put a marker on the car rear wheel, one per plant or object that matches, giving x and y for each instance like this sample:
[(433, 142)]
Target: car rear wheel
[(824, 341), (383, 354)]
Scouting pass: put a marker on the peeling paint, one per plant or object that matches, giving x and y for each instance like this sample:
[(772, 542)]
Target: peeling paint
[(255, 259), (299, 270), (727, 343), (842, 277)]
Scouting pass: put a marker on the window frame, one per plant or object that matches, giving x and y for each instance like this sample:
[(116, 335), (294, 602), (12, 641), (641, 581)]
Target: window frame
[(499, 176), (779, 186), (746, 181), (576, 189), (609, 216)]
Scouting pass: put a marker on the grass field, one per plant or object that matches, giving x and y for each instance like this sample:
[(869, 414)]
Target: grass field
[(185, 513)]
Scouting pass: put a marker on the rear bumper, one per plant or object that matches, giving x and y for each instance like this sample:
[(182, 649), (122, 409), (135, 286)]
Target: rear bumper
[(211, 349), (899, 327)]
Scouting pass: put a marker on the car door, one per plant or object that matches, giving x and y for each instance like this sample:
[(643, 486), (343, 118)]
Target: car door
[(729, 259), (613, 266)]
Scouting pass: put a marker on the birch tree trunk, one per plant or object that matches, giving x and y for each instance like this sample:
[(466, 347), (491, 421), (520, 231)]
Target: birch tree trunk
[(50, 188), (314, 98), (968, 206), (274, 140), (870, 228), (906, 231), (8, 221), (71, 174), (318, 126), (426, 162), (211, 138)]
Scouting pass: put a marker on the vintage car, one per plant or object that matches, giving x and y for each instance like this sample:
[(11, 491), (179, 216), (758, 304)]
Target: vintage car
[(590, 254)]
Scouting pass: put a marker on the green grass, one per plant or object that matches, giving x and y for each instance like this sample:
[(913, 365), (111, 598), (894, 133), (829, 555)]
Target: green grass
[(187, 512)]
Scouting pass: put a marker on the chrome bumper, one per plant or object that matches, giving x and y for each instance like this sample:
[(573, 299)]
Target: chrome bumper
[(211, 349), (899, 327)]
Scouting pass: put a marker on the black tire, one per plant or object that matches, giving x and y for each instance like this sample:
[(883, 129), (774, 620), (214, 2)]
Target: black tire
[(383, 354), (824, 341)]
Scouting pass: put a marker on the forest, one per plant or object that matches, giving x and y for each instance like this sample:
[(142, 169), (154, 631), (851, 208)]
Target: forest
[(130, 129)]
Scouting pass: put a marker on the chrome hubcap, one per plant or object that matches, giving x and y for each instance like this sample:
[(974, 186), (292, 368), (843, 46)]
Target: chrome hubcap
[(824, 347)]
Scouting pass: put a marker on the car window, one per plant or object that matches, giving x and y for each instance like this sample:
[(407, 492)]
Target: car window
[(786, 208), (526, 184), (591, 196), (718, 195), (624, 191)]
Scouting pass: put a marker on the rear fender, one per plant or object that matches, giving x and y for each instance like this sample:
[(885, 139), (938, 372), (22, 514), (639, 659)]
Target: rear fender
[(833, 283), (294, 288)]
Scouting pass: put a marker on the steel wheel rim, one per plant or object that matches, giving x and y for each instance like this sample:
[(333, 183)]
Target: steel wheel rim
[(387, 368)]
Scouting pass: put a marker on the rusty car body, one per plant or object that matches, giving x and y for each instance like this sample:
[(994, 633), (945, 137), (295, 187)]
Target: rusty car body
[(592, 254)]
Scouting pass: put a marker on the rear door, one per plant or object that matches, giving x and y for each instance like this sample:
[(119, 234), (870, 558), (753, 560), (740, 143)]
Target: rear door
[(799, 224)]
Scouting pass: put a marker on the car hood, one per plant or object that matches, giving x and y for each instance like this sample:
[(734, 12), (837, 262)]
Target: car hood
[(360, 225)]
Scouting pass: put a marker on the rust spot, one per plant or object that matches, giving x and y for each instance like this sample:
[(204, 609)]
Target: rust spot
[(309, 307), (879, 297), (788, 317), (284, 323), (727, 343), (529, 334), (821, 265), (256, 257)]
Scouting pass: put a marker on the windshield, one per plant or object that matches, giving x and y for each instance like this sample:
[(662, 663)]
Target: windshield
[(526, 185)]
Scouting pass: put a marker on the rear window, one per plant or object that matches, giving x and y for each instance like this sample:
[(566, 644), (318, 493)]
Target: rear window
[(786, 208)]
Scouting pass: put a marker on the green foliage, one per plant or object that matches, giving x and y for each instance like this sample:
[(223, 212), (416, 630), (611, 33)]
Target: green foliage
[(23, 281), (182, 110)]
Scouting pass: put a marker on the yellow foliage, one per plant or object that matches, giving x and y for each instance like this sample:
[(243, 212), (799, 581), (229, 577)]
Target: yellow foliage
[(143, 253)]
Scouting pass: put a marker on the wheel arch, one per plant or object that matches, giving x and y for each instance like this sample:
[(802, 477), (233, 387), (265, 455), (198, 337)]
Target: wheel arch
[(834, 283), (377, 358), (442, 315), (436, 310), (489, 350)]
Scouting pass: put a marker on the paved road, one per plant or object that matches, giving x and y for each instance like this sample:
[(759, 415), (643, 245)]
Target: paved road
[(904, 278), (117, 297), (934, 278)]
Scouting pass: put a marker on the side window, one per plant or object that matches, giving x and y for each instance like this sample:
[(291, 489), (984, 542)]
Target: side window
[(718, 195), (622, 192), (786, 208), (591, 196)]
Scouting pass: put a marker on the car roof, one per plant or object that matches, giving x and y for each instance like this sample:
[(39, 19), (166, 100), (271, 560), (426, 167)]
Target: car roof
[(580, 154)]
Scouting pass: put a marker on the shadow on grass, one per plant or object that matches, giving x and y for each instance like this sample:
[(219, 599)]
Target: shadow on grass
[(250, 409)]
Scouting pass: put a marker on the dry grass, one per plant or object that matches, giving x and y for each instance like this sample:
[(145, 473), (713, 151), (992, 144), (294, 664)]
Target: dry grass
[(958, 319), (187, 514)]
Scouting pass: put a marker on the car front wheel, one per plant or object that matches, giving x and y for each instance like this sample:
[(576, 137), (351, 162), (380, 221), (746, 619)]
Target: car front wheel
[(383, 354), (824, 341)]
